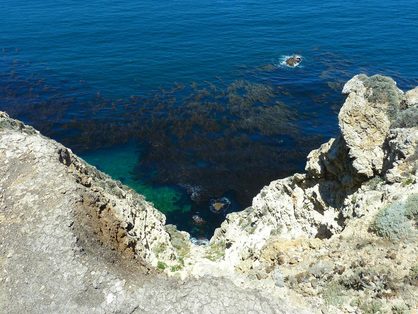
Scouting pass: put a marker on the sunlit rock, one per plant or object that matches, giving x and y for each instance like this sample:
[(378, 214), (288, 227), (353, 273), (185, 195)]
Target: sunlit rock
[(294, 60), (321, 203)]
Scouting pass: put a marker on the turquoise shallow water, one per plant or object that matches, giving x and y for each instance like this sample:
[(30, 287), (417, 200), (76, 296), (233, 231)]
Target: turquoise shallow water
[(189, 102)]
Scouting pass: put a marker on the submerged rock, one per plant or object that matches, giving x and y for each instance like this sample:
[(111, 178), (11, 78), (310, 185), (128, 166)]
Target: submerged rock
[(199, 221), (219, 206)]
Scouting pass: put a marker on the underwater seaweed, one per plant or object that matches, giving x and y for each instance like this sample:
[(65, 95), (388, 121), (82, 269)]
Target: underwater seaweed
[(212, 139)]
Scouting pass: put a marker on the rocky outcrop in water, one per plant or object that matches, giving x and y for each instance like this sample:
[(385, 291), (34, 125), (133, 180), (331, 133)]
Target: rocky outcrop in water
[(293, 60)]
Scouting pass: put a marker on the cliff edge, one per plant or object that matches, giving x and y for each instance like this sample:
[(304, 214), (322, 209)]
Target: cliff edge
[(340, 238), (72, 240)]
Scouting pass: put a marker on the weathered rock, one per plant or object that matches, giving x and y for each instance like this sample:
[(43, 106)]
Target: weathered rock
[(360, 151), (293, 60), (411, 97), (75, 241), (109, 212), (364, 124), (340, 174)]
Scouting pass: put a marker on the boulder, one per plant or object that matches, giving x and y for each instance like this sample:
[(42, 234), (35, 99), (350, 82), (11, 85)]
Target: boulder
[(411, 97), (293, 60)]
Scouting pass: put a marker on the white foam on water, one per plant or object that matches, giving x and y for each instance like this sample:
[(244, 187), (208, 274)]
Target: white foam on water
[(282, 61)]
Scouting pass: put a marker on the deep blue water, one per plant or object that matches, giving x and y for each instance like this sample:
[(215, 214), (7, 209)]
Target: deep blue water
[(188, 101)]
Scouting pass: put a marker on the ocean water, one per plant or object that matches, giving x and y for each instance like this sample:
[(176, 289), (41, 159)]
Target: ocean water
[(189, 102)]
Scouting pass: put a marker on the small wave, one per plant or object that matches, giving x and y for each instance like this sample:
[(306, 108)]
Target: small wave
[(199, 241)]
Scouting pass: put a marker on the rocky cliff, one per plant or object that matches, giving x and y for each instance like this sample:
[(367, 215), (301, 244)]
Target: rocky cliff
[(339, 238), (319, 203), (349, 182), (72, 240)]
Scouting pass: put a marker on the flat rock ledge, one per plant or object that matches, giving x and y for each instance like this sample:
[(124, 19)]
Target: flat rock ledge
[(340, 238)]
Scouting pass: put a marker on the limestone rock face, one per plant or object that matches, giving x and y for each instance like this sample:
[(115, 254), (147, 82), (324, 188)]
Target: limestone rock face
[(339, 175), (359, 152), (364, 124), (411, 97)]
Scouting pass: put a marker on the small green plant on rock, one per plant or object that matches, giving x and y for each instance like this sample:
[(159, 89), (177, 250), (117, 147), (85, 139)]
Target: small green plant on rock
[(176, 268), (215, 251), (411, 208), (375, 279), (408, 182), (383, 90), (180, 259), (367, 307), (355, 302), (374, 183), (180, 243), (276, 231), (333, 294), (407, 118), (413, 272), (400, 309), (371, 307), (393, 222), (161, 265), (158, 249)]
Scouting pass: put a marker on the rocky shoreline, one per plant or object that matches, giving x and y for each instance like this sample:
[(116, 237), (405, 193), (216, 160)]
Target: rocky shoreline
[(340, 238)]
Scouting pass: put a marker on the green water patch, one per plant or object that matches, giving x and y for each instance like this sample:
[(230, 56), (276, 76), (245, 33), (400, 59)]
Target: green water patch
[(119, 162), (174, 201)]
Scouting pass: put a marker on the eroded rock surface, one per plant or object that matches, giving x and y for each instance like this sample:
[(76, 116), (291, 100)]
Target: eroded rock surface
[(318, 204), (315, 233), (72, 240)]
